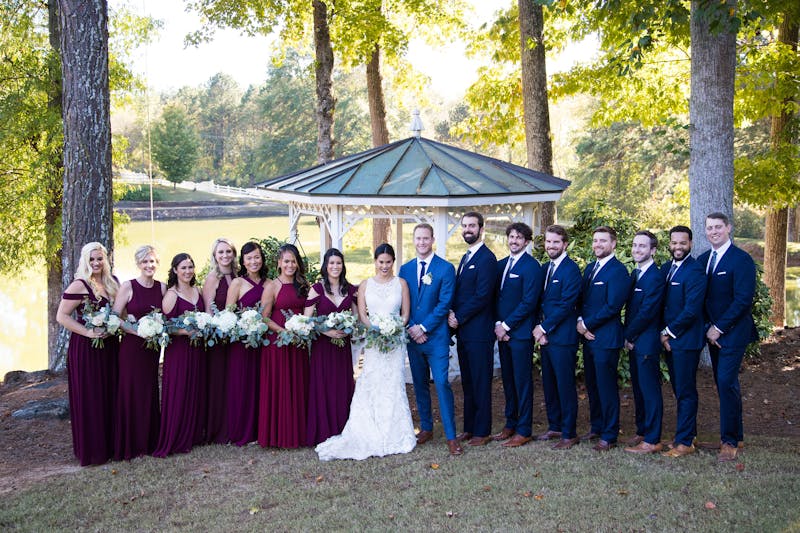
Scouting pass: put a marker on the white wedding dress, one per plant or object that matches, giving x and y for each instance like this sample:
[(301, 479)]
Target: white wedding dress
[(380, 419)]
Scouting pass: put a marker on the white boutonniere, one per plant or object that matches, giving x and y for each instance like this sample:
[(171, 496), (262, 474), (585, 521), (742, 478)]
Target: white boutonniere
[(427, 279)]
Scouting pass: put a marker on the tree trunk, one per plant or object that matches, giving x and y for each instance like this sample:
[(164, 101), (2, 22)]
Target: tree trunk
[(713, 66), (323, 70), (536, 114), (380, 133), (87, 210), (776, 232), (57, 337), (794, 224)]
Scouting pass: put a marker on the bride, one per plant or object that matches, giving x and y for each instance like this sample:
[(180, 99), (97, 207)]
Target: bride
[(380, 419)]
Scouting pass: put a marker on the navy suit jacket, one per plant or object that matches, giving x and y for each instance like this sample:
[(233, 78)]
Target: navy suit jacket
[(729, 297), (473, 301), (518, 300), (643, 311), (558, 310), (430, 304), (684, 295), (602, 300)]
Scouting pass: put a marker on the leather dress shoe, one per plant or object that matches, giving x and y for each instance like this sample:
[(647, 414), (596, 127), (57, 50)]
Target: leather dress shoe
[(549, 435), (566, 444), (590, 435), (454, 447), (706, 445), (504, 435), (727, 453), (645, 447), (635, 440), (516, 441), (604, 446), (479, 441), (463, 436), (424, 436), (679, 450)]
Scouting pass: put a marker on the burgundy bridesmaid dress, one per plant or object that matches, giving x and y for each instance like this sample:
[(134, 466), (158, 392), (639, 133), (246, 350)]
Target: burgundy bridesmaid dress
[(217, 421), (137, 415), (284, 382), (243, 382), (331, 382), (183, 412), (92, 380)]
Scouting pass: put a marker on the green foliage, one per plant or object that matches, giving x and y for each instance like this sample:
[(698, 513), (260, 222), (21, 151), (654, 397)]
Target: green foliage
[(762, 310), (270, 245), (141, 194), (175, 144)]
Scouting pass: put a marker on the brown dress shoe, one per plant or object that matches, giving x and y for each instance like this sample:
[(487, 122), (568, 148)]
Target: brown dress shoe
[(424, 436), (566, 444), (590, 435), (516, 441), (604, 446), (463, 436), (479, 441), (454, 447), (645, 447), (679, 450), (727, 453), (635, 440), (549, 435), (503, 435)]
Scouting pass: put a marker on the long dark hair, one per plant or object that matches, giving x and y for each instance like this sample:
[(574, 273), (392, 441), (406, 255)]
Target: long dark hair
[(344, 286), (172, 277), (384, 248), (300, 282), (248, 247)]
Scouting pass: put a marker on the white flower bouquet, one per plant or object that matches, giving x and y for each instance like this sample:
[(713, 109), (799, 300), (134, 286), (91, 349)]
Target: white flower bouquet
[(299, 330), (222, 327), (195, 322), (343, 321), (102, 320), (387, 333), (250, 328), (153, 329)]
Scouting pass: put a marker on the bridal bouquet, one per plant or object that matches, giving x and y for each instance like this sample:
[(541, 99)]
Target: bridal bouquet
[(222, 327), (101, 319), (196, 323), (153, 330), (299, 330), (387, 333), (343, 321), (250, 328)]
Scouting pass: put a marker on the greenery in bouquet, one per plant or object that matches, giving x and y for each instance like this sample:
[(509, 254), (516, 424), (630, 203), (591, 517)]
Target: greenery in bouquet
[(386, 333), (299, 330), (251, 328), (196, 323), (344, 321), (222, 327), (101, 319), (153, 329)]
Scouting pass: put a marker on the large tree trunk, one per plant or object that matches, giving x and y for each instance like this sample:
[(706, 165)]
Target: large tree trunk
[(57, 337), (536, 112), (380, 133), (776, 232), (323, 70), (88, 210), (794, 224)]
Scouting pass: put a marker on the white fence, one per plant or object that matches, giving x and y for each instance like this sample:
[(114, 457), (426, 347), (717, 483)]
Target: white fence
[(137, 178)]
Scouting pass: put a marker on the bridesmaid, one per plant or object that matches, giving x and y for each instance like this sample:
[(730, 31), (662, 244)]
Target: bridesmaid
[(284, 369), (331, 381), (137, 411), (245, 291), (215, 292), (183, 384), (91, 372)]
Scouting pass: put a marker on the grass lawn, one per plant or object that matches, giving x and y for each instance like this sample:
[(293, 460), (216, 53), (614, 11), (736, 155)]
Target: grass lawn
[(223, 488)]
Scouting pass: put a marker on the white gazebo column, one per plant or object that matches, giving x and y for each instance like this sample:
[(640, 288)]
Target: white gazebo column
[(440, 231), (531, 215), (294, 215), (398, 240), (336, 223)]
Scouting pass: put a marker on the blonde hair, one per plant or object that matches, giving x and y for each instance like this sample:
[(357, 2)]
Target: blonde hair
[(214, 266), (84, 272), (143, 251)]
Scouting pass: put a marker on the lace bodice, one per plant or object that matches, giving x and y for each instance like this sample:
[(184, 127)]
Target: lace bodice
[(384, 298)]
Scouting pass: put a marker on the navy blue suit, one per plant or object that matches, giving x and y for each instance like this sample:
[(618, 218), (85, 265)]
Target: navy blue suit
[(558, 316), (602, 300), (683, 316), (642, 327), (430, 306), (516, 305), (473, 306), (729, 307)]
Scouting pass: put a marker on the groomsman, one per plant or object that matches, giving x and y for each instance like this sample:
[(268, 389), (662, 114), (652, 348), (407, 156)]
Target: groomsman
[(728, 312), (605, 288), (682, 336), (642, 340), (520, 283), (555, 332), (430, 280), (472, 319)]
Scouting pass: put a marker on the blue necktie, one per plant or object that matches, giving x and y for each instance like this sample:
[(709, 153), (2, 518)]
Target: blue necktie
[(713, 263), (421, 273), (672, 270)]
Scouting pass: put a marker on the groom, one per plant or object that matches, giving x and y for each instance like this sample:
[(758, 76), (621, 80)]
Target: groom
[(431, 281)]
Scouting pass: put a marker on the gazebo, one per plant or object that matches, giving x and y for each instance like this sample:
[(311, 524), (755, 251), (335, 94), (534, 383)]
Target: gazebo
[(412, 180)]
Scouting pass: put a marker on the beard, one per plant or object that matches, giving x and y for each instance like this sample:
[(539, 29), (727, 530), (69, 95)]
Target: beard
[(470, 238)]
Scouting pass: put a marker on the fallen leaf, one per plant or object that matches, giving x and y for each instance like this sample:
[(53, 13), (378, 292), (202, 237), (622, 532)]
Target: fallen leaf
[(254, 510), (450, 514), (539, 497), (391, 517), (206, 470), (622, 492), (740, 467), (113, 471), (434, 466), (487, 488), (766, 402), (710, 505), (319, 479), (527, 494), (537, 474)]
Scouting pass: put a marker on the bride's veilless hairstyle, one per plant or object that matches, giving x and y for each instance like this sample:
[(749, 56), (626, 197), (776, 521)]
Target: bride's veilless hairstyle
[(172, 278), (300, 282), (248, 247), (384, 248), (344, 286)]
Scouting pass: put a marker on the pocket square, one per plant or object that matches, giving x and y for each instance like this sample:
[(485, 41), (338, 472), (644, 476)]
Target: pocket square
[(674, 283), (470, 267), (513, 275), (556, 280), (637, 289), (721, 273), (599, 283)]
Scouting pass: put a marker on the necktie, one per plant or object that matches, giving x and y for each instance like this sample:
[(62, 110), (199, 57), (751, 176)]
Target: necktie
[(637, 273), (672, 270), (550, 270), (713, 263), (509, 266), (595, 269), (464, 261), (421, 273)]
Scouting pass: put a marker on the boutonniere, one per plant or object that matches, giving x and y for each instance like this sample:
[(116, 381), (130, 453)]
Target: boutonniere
[(427, 279)]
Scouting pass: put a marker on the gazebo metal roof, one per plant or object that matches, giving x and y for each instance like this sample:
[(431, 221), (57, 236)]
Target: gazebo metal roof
[(416, 171)]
